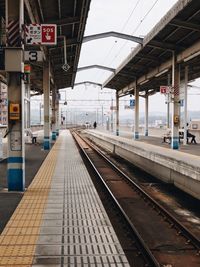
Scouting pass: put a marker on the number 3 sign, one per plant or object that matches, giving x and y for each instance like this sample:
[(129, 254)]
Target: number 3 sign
[(33, 56)]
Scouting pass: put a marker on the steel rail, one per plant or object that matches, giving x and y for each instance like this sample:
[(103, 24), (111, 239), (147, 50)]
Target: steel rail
[(144, 250), (191, 238)]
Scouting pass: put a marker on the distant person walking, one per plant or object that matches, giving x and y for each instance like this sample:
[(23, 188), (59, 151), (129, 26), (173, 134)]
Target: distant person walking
[(95, 125), (193, 140)]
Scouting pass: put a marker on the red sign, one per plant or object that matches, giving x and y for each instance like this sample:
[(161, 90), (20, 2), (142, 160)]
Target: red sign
[(41, 34), (164, 89), (49, 34)]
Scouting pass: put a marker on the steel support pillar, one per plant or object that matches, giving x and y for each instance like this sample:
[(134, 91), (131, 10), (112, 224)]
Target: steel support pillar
[(136, 129), (168, 101), (175, 104), (146, 133), (57, 115), (27, 107), (53, 119), (46, 90), (16, 161), (117, 114), (185, 106), (111, 118), (102, 115)]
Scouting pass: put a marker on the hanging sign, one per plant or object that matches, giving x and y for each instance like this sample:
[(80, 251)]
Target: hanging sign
[(164, 89), (132, 103), (41, 34), (33, 55), (49, 34)]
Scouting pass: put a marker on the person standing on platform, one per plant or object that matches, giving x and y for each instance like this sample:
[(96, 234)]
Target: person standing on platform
[(193, 140), (95, 125)]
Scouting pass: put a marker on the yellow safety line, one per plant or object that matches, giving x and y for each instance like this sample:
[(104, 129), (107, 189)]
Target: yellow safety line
[(19, 237)]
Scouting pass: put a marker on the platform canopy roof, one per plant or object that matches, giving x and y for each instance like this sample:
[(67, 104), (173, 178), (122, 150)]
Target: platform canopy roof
[(70, 17), (148, 64)]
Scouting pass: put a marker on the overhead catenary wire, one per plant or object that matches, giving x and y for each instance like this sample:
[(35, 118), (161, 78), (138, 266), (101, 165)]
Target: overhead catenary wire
[(136, 28), (122, 29)]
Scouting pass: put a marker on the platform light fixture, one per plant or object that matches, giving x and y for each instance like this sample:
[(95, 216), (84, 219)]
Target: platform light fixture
[(161, 72), (191, 56), (144, 82), (121, 94)]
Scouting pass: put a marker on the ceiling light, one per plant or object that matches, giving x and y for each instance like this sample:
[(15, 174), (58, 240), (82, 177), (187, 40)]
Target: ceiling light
[(144, 82), (191, 56), (161, 73)]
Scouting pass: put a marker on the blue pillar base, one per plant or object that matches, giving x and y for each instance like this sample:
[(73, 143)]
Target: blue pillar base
[(46, 144), (175, 142), (57, 132), (136, 135), (54, 135), (146, 133), (16, 181), (117, 132)]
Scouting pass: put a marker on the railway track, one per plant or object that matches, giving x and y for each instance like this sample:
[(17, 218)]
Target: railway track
[(157, 235)]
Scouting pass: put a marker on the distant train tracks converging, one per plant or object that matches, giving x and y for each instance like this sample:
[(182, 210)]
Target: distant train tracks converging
[(157, 236)]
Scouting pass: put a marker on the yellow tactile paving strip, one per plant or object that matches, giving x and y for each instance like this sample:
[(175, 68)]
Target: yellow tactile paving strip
[(18, 240)]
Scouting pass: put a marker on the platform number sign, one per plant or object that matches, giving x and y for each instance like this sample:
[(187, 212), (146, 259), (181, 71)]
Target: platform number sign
[(33, 56)]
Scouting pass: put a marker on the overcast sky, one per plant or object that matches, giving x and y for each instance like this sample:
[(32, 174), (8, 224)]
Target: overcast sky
[(135, 17)]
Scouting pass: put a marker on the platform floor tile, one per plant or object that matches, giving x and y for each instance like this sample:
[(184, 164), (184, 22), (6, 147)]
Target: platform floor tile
[(75, 230), (19, 237)]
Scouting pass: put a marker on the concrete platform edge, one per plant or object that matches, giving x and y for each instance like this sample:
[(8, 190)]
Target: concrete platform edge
[(170, 166)]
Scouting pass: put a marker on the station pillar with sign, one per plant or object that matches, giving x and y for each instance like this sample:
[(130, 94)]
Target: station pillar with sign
[(14, 68), (175, 104), (146, 133), (53, 119), (136, 128), (117, 114), (57, 114), (46, 90)]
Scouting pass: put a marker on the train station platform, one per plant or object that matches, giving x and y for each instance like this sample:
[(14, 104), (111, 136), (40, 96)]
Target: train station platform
[(179, 167), (60, 220)]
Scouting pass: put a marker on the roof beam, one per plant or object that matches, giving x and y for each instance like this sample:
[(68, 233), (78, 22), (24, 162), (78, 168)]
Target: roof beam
[(149, 57), (41, 12), (69, 42), (126, 73), (88, 82), (95, 66), (34, 18), (113, 34), (185, 25), (65, 21), (163, 45)]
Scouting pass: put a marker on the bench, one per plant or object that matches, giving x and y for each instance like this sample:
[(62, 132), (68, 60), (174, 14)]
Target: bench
[(189, 136), (167, 136)]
